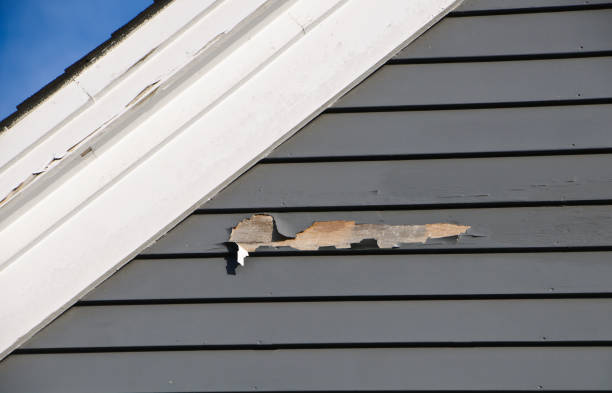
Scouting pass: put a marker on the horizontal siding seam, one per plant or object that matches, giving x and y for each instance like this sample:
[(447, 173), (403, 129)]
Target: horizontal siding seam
[(379, 251), (276, 347), (470, 105), (498, 58), (434, 156), (531, 10), (424, 206), (342, 298)]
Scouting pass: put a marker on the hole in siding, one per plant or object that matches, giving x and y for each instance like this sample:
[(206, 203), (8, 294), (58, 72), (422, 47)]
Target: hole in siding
[(260, 230)]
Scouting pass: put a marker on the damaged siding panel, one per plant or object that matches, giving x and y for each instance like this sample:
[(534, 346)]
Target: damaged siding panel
[(447, 132), (516, 34), (484, 82), (585, 226), (374, 369), (345, 322), (278, 277), (420, 182), (260, 231)]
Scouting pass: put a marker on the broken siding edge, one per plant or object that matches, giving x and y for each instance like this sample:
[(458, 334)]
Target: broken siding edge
[(584, 227), (261, 231), (361, 38)]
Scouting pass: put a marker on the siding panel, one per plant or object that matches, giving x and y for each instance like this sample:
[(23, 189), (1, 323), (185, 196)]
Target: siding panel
[(312, 369), (362, 275), (519, 34), (486, 82), (517, 228), (448, 132), (421, 182), (331, 323)]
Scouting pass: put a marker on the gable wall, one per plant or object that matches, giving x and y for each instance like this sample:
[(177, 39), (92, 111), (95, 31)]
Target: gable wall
[(496, 118)]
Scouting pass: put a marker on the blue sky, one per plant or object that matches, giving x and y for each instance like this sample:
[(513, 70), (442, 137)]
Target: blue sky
[(40, 38)]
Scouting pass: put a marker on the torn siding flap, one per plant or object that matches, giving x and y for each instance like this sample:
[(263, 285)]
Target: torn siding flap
[(260, 231), (241, 255)]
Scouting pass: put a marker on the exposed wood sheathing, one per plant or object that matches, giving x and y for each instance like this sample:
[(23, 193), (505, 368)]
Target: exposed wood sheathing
[(259, 231)]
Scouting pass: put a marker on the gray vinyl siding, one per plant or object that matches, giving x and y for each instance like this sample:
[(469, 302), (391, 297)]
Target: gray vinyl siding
[(339, 276), (544, 33), (491, 82), (451, 132), (332, 322), (499, 118), (410, 182), (502, 229), (306, 369)]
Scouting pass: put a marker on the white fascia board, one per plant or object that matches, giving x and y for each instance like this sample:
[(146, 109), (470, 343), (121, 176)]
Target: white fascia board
[(108, 87), (195, 132)]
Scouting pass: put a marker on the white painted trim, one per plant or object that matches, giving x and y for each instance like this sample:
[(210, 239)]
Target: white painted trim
[(104, 90), (206, 123)]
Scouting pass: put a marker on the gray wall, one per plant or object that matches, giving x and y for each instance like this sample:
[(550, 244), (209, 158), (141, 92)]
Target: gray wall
[(499, 118)]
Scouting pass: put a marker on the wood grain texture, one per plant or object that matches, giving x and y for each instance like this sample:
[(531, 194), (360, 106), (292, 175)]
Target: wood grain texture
[(426, 321), (420, 182), (451, 132), (312, 369), (516, 34), (258, 231), (490, 228), (361, 275), (484, 82)]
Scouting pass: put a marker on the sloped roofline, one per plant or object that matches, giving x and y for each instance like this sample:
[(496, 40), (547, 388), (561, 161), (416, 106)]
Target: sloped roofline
[(158, 124), (77, 67)]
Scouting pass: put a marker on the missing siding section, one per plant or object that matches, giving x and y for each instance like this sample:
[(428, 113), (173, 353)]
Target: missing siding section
[(260, 231)]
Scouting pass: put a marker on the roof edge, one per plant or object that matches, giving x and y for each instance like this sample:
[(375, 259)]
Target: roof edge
[(90, 57), (47, 125)]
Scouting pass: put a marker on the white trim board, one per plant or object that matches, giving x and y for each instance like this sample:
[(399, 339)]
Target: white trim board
[(250, 86), (104, 90)]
